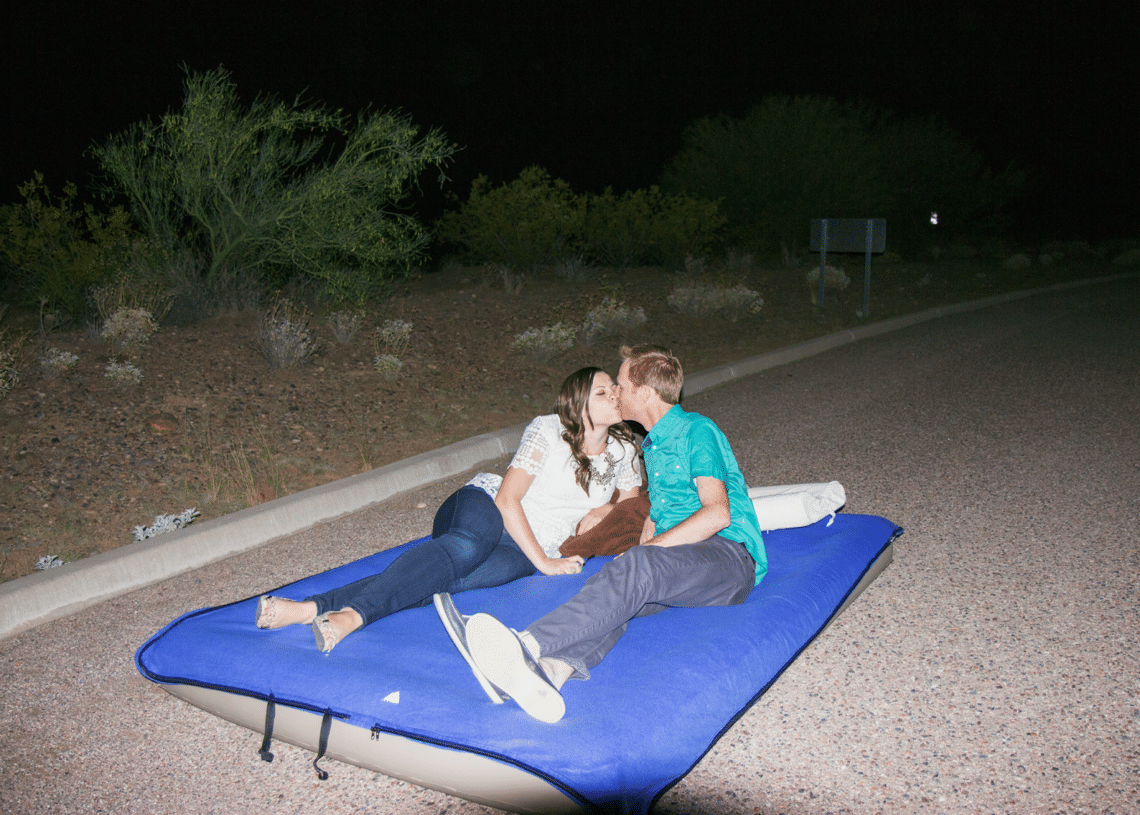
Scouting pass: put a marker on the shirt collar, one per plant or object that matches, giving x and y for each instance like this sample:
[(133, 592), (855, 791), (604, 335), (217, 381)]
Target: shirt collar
[(669, 425)]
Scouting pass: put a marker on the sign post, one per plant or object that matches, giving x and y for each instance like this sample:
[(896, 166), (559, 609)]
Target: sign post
[(866, 235)]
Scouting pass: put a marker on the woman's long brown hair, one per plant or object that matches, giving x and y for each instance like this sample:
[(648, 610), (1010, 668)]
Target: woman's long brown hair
[(572, 401)]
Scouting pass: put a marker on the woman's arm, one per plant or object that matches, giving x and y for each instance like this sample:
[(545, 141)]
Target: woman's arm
[(509, 502)]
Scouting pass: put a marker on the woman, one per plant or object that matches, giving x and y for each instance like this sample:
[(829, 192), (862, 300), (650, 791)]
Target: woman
[(492, 531)]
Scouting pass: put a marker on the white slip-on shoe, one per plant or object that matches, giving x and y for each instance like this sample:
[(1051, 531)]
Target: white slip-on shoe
[(505, 661), (456, 626)]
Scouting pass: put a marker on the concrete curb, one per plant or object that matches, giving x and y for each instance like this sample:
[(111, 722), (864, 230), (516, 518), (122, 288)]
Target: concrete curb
[(27, 602)]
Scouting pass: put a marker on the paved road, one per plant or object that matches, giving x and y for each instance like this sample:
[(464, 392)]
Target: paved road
[(992, 668)]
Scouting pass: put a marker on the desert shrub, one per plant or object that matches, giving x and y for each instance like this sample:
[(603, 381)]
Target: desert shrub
[(574, 268), (610, 317), (708, 299), (284, 337), (512, 281), (393, 338), (389, 365), (833, 278), (390, 342), (544, 344), (522, 224), (128, 331), (11, 361), (258, 188), (1017, 261), (54, 362), (344, 324), (647, 225), (125, 292), (122, 375), (57, 249)]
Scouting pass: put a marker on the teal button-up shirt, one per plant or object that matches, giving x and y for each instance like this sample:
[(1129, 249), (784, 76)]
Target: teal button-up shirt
[(681, 447)]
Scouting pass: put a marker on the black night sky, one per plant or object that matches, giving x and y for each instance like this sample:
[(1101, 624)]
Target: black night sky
[(599, 93)]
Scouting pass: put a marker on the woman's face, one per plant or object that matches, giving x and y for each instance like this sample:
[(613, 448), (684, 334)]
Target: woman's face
[(602, 408)]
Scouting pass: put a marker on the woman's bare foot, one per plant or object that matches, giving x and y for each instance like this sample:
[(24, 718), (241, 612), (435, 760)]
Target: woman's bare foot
[(278, 612), (333, 626)]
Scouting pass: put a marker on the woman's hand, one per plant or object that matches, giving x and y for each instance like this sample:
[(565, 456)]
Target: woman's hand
[(561, 565), (648, 531), (594, 517)]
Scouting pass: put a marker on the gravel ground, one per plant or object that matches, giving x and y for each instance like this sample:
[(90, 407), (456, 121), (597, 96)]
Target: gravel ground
[(992, 668)]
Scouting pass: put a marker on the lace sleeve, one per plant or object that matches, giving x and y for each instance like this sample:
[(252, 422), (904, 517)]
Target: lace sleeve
[(629, 472), (532, 449)]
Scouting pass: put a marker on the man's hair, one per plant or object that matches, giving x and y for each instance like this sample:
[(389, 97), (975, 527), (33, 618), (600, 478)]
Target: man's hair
[(656, 367)]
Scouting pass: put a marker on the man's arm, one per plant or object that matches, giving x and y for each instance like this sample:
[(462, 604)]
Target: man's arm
[(713, 516)]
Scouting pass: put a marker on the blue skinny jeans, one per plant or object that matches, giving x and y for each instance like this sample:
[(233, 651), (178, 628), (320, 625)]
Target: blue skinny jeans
[(469, 549)]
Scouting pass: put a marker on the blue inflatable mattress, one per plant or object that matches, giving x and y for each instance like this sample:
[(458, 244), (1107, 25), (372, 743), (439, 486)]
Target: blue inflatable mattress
[(398, 698)]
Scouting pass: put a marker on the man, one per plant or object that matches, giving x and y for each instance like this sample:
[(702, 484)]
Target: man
[(701, 546)]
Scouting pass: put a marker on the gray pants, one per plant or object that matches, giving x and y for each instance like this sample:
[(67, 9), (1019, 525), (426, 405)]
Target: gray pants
[(643, 581)]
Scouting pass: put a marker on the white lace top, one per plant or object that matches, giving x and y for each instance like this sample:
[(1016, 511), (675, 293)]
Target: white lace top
[(554, 503)]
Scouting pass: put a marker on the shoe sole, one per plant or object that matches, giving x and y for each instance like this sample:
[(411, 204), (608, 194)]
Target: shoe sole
[(453, 623), (500, 656), (319, 634), (263, 603)]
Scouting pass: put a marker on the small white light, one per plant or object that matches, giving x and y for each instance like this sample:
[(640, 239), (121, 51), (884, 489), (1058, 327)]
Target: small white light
[(934, 218)]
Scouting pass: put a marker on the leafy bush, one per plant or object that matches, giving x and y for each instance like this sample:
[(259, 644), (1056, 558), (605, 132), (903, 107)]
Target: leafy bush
[(256, 187), (536, 220), (525, 223), (646, 225), (56, 248)]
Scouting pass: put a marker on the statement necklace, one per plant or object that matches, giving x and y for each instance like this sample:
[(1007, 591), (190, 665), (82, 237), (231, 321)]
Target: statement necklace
[(608, 476)]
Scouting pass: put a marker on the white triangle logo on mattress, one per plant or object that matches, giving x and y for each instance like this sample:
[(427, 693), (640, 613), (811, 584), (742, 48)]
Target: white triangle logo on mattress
[(393, 697)]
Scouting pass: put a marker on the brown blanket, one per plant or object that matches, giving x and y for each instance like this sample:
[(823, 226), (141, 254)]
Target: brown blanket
[(620, 530)]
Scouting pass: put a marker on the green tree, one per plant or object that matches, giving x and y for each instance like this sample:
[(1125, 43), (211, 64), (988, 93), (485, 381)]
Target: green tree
[(790, 160), (786, 162), (262, 187)]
